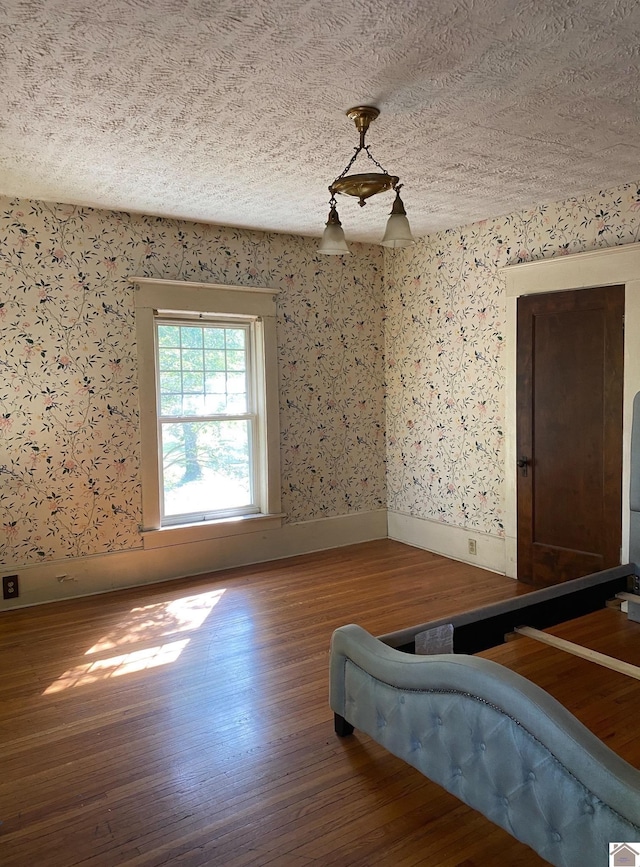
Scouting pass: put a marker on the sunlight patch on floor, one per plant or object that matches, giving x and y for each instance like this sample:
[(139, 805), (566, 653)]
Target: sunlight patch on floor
[(102, 669), (163, 618), (149, 624)]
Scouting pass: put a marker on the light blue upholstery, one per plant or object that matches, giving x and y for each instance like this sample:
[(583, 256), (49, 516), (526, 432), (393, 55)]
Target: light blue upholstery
[(495, 740), (634, 489)]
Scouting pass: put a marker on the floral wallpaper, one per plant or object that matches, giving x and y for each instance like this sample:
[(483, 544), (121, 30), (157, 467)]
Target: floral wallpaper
[(69, 438), (444, 340), (422, 327)]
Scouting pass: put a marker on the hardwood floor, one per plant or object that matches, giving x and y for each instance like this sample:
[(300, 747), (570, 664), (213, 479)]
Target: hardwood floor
[(188, 723), (602, 699)]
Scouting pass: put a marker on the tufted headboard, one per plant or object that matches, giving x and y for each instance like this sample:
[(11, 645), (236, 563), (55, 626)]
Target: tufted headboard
[(634, 490), (495, 740)]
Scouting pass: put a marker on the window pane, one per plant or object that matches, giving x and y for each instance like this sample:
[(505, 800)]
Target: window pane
[(235, 338), (168, 335), (193, 404), (236, 403), (236, 383), (169, 359), (192, 359), (235, 360), (202, 370), (206, 466), (214, 338), (170, 382), (216, 383), (191, 336), (171, 404), (216, 404), (193, 381), (215, 359)]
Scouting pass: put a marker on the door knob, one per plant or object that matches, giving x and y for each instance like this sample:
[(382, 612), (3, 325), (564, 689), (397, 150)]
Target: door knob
[(523, 464)]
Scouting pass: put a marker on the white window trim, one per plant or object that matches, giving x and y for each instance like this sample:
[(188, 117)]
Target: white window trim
[(153, 295), (254, 354)]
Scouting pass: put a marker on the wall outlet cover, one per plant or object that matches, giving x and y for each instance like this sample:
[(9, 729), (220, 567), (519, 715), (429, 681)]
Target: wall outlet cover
[(10, 587)]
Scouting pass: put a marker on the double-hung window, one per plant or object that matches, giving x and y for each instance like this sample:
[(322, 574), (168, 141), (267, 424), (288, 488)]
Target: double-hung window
[(209, 410), (207, 418)]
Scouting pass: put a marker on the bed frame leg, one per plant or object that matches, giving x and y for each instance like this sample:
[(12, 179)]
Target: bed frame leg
[(341, 726)]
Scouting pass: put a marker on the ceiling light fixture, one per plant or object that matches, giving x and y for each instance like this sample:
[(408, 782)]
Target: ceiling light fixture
[(362, 186)]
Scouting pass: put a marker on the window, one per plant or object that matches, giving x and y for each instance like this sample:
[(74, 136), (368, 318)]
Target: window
[(209, 410), (206, 419)]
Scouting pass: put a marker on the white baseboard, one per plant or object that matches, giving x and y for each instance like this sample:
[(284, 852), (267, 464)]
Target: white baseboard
[(449, 541), (85, 576), (511, 556)]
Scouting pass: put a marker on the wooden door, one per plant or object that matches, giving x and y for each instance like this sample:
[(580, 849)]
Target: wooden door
[(569, 433)]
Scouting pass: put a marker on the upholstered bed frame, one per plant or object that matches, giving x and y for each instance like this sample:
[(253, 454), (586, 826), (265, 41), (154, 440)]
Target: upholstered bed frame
[(492, 738), (489, 736)]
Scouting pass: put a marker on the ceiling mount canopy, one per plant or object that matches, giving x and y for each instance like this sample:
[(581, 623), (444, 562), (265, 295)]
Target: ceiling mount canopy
[(362, 186)]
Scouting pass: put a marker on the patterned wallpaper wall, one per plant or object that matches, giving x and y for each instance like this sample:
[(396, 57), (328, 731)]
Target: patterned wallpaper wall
[(69, 441), (446, 317), (69, 444)]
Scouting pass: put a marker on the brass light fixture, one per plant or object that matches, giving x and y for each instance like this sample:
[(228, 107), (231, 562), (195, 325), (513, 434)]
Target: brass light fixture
[(362, 186)]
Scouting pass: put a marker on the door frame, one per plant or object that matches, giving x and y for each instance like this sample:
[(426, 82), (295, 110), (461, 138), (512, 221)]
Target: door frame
[(606, 267)]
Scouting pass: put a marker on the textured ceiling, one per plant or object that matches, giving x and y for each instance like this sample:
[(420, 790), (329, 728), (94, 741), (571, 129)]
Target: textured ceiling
[(232, 111)]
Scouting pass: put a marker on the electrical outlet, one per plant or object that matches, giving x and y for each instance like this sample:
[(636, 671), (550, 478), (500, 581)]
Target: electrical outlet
[(10, 588), (473, 547)]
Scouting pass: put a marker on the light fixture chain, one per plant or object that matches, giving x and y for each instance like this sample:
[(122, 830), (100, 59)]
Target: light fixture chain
[(374, 160), (348, 165), (354, 158)]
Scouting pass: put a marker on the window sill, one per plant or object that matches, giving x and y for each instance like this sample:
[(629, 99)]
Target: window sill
[(205, 530)]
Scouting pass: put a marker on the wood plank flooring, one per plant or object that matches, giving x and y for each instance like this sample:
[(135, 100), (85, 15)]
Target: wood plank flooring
[(187, 723), (604, 700)]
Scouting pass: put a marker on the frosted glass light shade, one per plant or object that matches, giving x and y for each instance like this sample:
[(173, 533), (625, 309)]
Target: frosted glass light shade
[(398, 231), (333, 242)]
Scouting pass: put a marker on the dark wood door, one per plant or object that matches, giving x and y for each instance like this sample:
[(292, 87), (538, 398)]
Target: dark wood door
[(569, 433)]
